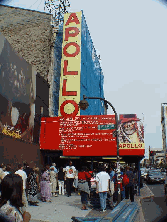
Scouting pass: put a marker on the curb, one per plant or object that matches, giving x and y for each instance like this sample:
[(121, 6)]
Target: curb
[(140, 217), (149, 194), (144, 195), (35, 220)]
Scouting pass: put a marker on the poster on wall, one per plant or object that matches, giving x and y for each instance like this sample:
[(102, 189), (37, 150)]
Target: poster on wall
[(17, 93), (131, 134)]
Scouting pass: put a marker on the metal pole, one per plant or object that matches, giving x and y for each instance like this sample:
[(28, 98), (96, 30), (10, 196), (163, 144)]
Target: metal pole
[(139, 177), (118, 158), (163, 122)]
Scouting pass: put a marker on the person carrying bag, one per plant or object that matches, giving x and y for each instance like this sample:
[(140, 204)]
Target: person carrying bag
[(83, 187)]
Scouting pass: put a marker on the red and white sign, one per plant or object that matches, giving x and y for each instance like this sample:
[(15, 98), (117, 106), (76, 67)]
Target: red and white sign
[(83, 136)]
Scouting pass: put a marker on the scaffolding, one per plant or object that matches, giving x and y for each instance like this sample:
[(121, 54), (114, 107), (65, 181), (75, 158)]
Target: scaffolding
[(57, 8)]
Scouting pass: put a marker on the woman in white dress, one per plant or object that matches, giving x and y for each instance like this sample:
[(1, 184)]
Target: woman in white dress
[(53, 180)]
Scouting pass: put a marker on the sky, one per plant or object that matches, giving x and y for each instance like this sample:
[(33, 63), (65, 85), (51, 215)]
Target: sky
[(131, 38)]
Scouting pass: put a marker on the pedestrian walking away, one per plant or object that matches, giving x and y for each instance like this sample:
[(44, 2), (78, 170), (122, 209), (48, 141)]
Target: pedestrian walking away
[(83, 186), (33, 186), (45, 185), (70, 174), (23, 174), (102, 186), (61, 178), (129, 188)]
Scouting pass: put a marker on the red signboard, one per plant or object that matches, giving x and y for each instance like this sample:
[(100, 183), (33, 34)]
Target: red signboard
[(79, 136), (89, 136)]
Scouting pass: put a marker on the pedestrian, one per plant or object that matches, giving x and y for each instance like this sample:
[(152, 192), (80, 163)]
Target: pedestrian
[(111, 173), (56, 171), (2, 174), (7, 169), (27, 169), (115, 195), (124, 180), (102, 187), (45, 185), (89, 178), (83, 186), (61, 178), (54, 166), (70, 174), (11, 199), (165, 185), (75, 183), (33, 186), (53, 180), (129, 188), (23, 174)]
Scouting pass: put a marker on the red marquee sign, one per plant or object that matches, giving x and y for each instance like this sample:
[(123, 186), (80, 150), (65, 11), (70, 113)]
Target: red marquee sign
[(83, 136)]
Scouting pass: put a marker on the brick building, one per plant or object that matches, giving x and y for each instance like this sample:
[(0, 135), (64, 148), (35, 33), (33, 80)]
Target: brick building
[(31, 34)]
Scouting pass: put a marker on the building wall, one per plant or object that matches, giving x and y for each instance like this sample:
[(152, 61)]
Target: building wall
[(30, 33), (15, 151)]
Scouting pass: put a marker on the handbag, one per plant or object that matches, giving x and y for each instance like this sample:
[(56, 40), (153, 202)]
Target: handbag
[(111, 187), (26, 216)]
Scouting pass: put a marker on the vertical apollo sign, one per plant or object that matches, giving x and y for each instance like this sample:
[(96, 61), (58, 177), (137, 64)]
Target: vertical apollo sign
[(69, 94)]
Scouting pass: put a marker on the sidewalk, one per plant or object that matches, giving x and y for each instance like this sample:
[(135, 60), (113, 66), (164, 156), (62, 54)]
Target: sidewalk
[(63, 208)]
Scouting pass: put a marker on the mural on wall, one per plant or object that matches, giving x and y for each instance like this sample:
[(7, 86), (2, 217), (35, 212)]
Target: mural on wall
[(17, 93)]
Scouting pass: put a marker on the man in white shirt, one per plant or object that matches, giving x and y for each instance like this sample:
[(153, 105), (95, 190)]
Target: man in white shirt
[(23, 174), (102, 187), (70, 173)]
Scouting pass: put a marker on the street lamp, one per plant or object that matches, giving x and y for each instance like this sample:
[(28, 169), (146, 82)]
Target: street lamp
[(83, 104)]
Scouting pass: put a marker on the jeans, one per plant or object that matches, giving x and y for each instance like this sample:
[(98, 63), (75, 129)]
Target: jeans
[(84, 197), (129, 190), (123, 194), (69, 183), (103, 197)]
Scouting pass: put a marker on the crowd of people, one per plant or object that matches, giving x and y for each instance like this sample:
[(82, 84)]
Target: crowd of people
[(29, 185)]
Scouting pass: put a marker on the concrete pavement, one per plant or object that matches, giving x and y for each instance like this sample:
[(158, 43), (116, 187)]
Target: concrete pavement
[(62, 208)]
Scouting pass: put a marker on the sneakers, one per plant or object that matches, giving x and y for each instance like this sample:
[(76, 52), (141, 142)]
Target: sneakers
[(104, 210), (115, 204)]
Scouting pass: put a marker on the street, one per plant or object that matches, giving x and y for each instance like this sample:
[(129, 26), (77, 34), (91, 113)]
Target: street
[(156, 210)]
